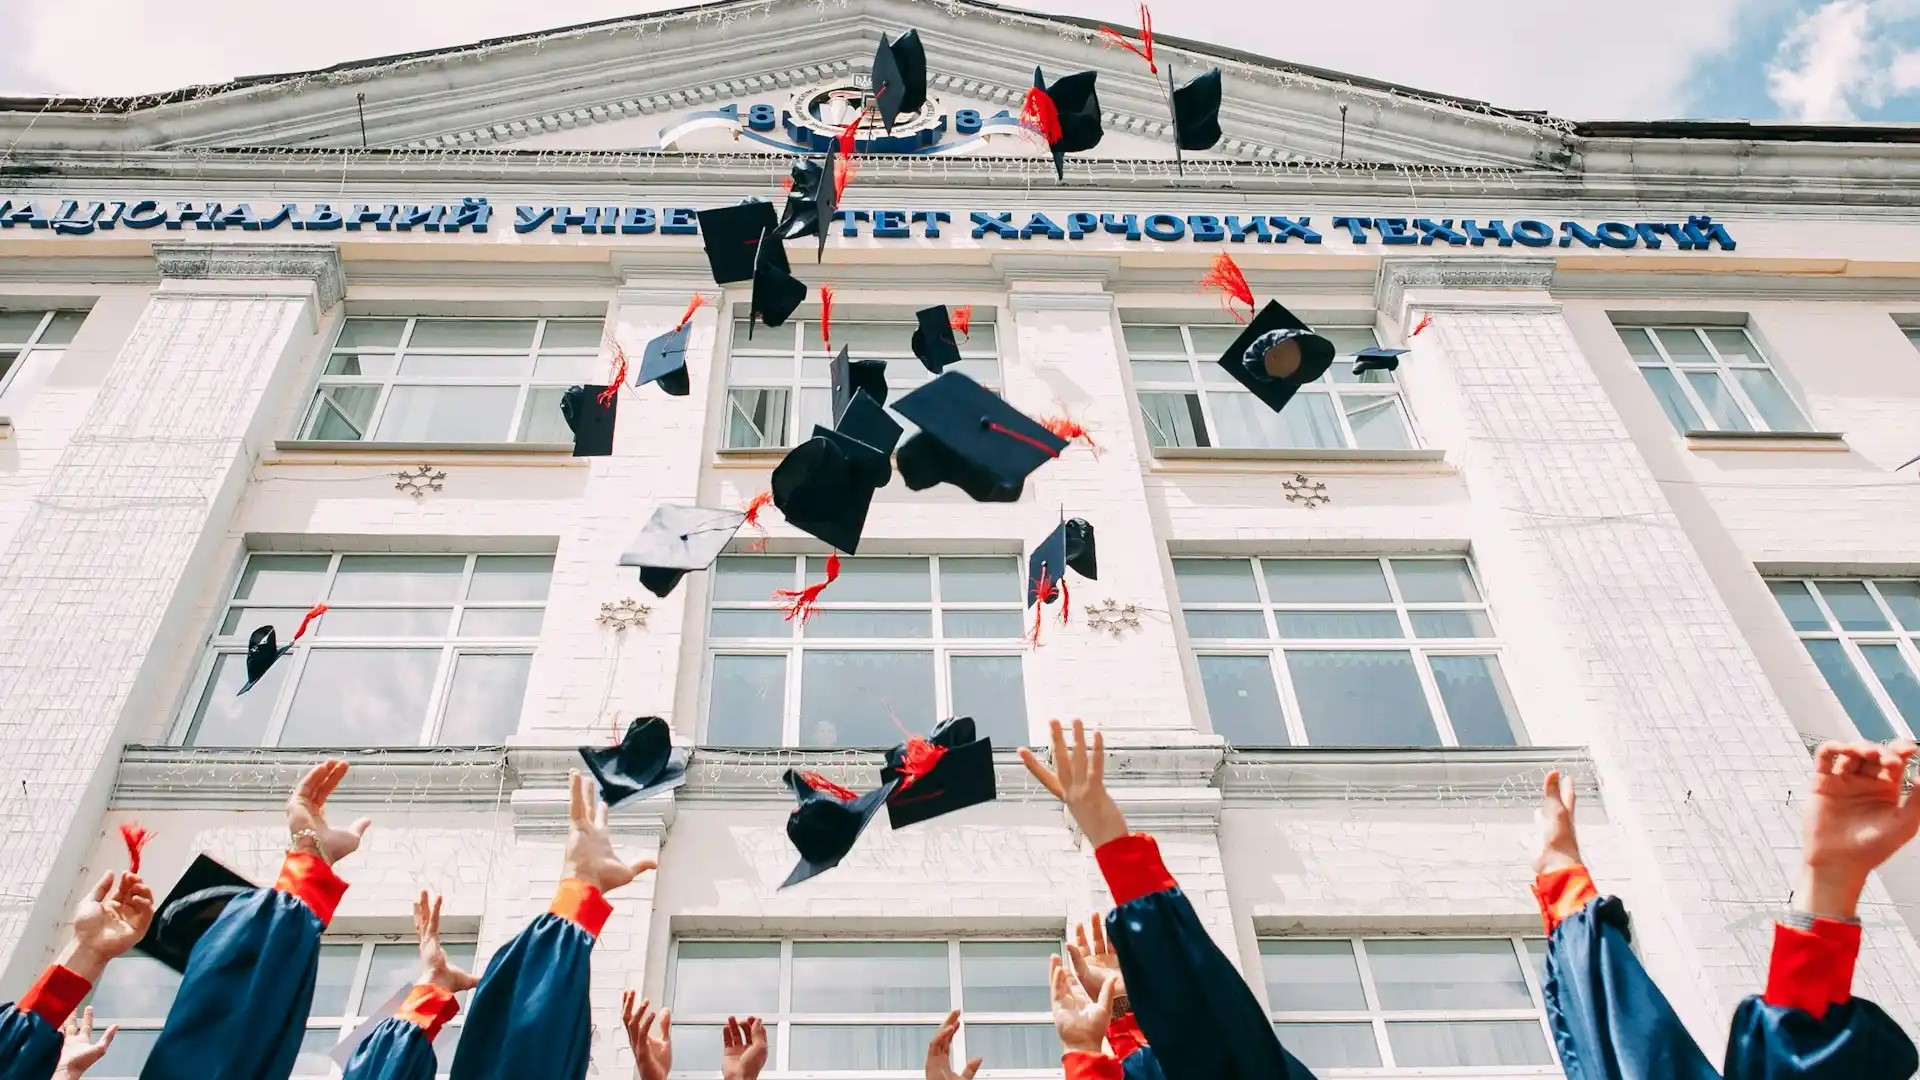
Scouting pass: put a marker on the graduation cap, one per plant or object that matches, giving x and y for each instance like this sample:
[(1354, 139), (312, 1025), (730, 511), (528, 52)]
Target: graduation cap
[(852, 376), (828, 821), (899, 76), (588, 411), (188, 912), (1196, 110), (665, 360), (973, 439), (777, 294), (946, 771), (1276, 355), (1066, 114), (644, 764), (733, 237), (868, 436), (801, 214), (936, 342), (824, 492), (1070, 546), (1377, 359), (264, 649), (678, 540)]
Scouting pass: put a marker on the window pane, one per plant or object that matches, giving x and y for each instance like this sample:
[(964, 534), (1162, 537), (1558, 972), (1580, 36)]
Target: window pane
[(1153, 339), (1354, 698), (1226, 625), (448, 413), (866, 338), (1317, 581), (1210, 341), (1312, 976), (748, 696), (380, 333), (1801, 612), (363, 365), (435, 365), (979, 580), (1776, 407), (1673, 400), (854, 698), (342, 412), (1240, 419), (982, 624), (1721, 408), (1215, 581), (242, 621), (392, 967), (282, 579), (1476, 1043), (472, 334), (1162, 371), (578, 368), (1435, 581), (1684, 346), (1852, 605), (1173, 420), (1735, 347), (991, 690), (500, 622), (751, 577), (483, 705), (747, 368), (870, 977), (1897, 677), (816, 409), (1338, 624), (1331, 1046), (399, 578), (511, 577), (541, 421), (1847, 685), (61, 328), (727, 977), (17, 326), (572, 334), (135, 986), (1378, 423), (1004, 976), (1636, 341), (697, 1047), (756, 418), (750, 624), (384, 623), (1243, 700), (871, 579), (361, 697), (865, 1047), (1410, 974), (1903, 599), (313, 1059), (1014, 1046), (224, 719), (829, 623), (1347, 340), (1476, 699), (1452, 624), (333, 989)]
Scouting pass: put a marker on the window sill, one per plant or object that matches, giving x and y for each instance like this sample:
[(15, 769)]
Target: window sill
[(1339, 775), (750, 458), (1767, 441), (414, 449), (1199, 459)]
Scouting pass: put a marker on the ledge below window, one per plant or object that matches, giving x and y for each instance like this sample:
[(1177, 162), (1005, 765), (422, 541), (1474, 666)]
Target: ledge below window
[(1385, 461), (1824, 441), (753, 457), (1349, 775), (308, 446)]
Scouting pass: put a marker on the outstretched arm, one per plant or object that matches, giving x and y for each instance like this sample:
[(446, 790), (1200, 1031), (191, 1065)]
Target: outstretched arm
[(400, 1046), (36, 1034)]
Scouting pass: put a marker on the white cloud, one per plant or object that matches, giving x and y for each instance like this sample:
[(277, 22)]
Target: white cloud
[(1842, 56)]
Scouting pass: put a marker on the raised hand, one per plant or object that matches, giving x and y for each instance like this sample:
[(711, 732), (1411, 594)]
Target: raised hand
[(435, 968), (79, 1052), (590, 855), (940, 1052), (1094, 961), (1856, 819), (653, 1053), (1078, 779), (1556, 847), (743, 1049), (1080, 1022), (108, 921), (307, 819)]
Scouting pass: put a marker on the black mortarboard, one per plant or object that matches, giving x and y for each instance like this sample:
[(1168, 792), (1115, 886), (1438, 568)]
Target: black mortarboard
[(826, 198), (801, 215), (187, 913), (1277, 328), (851, 376), (588, 411), (665, 361), (776, 293), (868, 437), (644, 764), (991, 447), (899, 77), (1068, 547), (1079, 111), (1196, 111), (1377, 359), (732, 236), (825, 826), (824, 493), (678, 540), (950, 771), (264, 648), (935, 342)]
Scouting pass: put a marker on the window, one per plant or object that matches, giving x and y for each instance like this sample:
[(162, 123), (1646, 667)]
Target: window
[(1346, 652), (1864, 636), (1411, 1003), (453, 380), (355, 978), (1712, 378), (1188, 399), (864, 1006), (1913, 335), (779, 366), (31, 343), (896, 643), (414, 649)]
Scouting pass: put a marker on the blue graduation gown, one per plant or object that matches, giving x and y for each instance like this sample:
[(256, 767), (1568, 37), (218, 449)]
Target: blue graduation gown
[(30, 1038), (1142, 1065), (1808, 1025), (1197, 1013), (242, 1006), (401, 1046), (529, 1019)]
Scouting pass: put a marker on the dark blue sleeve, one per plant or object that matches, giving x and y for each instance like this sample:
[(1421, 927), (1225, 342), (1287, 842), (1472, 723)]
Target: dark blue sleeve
[(1142, 1065), (1853, 1041), (396, 1049), (1609, 1020), (529, 1019), (29, 1046)]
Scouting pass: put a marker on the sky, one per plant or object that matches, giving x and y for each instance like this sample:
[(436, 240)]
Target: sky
[(1810, 60)]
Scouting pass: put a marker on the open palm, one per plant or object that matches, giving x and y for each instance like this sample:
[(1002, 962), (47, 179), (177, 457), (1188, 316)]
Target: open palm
[(306, 810), (1856, 818)]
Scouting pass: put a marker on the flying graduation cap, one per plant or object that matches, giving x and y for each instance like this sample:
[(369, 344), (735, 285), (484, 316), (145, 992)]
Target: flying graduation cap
[(936, 341), (189, 910), (852, 376), (1375, 358), (899, 77), (827, 822), (971, 438), (777, 294), (264, 650), (946, 771), (1195, 104), (801, 214), (678, 540), (1066, 114), (642, 765), (733, 235), (1276, 355), (824, 492), (868, 436), (1070, 546), (665, 360), (589, 411)]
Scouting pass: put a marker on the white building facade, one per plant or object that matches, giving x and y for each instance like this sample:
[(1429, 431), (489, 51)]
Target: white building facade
[(1630, 506)]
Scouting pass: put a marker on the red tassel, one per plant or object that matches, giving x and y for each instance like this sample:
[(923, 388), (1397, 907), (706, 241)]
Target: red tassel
[(1042, 596), (135, 838), (800, 602), (1066, 600), (826, 317), (827, 787), (1145, 49), (843, 170), (961, 319), (619, 373), (1226, 278), (850, 135), (787, 185), (306, 620), (921, 757), (1039, 114), (1025, 438), (685, 318), (1425, 321), (754, 506), (1066, 427)]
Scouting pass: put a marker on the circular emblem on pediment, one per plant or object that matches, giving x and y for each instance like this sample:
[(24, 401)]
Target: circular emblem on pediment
[(826, 109)]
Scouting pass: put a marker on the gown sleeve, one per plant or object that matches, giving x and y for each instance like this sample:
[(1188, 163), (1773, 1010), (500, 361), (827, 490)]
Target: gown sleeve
[(1808, 1025), (1202, 1021), (1609, 1020), (241, 1011), (401, 1046), (529, 1019), (30, 1038)]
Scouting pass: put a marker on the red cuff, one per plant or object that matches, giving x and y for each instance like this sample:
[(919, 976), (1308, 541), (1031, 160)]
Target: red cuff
[(1133, 868), (1125, 1036), (1082, 1065), (1813, 969), (430, 1007), (1562, 893), (55, 995), (581, 904)]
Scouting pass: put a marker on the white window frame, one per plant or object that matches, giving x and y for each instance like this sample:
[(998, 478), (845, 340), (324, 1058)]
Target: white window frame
[(1274, 646), (1906, 641), (1722, 368), (781, 1023), (798, 341), (1207, 378), (1913, 335), (795, 643), (586, 370), (451, 645), (1378, 1017), (34, 350)]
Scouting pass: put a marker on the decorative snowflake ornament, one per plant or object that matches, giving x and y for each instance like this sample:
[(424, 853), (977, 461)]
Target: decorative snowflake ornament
[(626, 615), (1308, 492), (417, 482), (1113, 617)]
